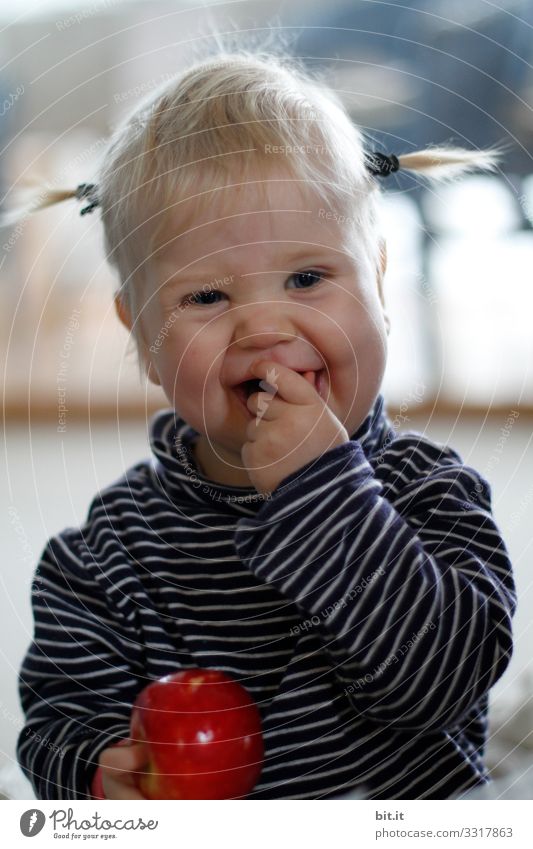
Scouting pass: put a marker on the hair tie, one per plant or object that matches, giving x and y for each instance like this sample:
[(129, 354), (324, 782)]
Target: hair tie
[(87, 190), (380, 164)]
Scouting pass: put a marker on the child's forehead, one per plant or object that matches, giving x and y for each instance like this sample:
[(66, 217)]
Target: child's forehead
[(262, 195), (274, 211)]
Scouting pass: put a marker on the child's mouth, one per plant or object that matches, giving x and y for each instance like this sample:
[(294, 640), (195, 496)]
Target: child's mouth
[(245, 389), (248, 387)]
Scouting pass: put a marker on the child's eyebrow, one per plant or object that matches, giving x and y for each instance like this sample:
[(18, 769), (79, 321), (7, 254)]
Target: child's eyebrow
[(186, 278)]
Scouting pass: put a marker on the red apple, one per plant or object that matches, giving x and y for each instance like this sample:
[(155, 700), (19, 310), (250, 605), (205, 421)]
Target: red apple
[(203, 734)]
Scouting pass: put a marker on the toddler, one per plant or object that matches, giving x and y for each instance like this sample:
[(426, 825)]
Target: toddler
[(352, 578)]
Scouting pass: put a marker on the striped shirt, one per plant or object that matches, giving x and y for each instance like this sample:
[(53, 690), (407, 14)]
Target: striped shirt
[(365, 604)]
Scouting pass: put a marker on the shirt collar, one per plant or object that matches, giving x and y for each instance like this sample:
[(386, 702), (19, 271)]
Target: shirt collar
[(178, 474)]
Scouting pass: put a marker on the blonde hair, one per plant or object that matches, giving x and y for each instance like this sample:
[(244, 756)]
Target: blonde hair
[(212, 127)]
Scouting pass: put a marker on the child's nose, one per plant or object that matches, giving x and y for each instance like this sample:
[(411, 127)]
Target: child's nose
[(263, 339), (263, 326)]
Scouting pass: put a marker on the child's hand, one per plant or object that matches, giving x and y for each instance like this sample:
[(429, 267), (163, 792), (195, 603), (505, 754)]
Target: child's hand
[(117, 765), (291, 428)]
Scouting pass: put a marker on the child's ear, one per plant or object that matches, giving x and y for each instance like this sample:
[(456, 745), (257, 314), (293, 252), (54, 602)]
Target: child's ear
[(144, 354), (122, 312), (151, 373), (380, 277)]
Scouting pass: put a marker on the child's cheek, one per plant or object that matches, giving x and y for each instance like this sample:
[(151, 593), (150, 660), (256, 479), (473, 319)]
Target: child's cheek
[(195, 390), (357, 354)]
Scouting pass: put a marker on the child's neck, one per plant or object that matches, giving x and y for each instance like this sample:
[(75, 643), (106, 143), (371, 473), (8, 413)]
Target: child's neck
[(220, 467)]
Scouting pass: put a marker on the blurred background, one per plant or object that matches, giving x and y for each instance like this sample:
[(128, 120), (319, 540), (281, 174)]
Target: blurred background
[(459, 278)]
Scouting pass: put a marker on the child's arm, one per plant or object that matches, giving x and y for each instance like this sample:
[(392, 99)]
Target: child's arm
[(80, 675), (407, 586)]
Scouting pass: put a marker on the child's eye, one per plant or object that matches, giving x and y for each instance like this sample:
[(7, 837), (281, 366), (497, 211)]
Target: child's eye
[(309, 279), (206, 295)]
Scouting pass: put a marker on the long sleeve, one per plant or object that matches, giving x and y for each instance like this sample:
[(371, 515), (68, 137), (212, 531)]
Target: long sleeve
[(77, 680), (400, 571)]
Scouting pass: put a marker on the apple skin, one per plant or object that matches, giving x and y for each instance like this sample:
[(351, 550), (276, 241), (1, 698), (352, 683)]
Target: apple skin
[(202, 731)]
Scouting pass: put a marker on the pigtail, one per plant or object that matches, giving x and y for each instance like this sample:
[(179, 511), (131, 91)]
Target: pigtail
[(446, 163), (42, 197)]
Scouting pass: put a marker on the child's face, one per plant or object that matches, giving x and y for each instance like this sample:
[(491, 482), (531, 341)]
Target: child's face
[(252, 257)]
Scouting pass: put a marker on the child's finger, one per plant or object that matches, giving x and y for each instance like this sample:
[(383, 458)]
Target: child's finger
[(265, 406), (119, 789), (124, 758), (289, 384)]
